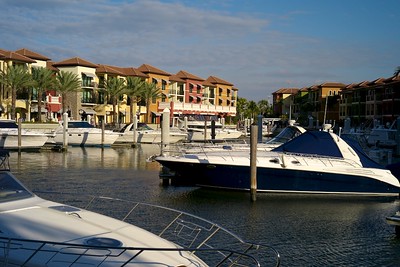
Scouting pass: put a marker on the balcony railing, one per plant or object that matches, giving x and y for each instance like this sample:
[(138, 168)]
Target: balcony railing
[(190, 107)]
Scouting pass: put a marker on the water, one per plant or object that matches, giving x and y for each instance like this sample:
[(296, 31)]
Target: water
[(306, 230)]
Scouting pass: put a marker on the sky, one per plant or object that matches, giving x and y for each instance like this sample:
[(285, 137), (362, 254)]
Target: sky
[(260, 46)]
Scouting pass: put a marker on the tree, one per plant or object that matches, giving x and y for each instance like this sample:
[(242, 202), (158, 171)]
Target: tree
[(114, 87), (241, 107), (67, 82), (44, 79), (135, 87), (263, 106), (150, 92), (15, 78), (397, 71), (253, 109)]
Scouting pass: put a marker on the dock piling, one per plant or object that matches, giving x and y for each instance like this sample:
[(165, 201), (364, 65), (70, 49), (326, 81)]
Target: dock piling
[(253, 162)]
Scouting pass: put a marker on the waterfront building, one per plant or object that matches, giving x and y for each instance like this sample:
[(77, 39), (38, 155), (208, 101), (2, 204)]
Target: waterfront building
[(365, 103), (182, 93)]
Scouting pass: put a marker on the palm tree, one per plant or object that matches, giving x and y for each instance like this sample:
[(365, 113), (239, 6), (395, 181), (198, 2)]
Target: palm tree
[(241, 107), (114, 87), (151, 93), (67, 82), (15, 78), (44, 79), (263, 106), (134, 89), (397, 71), (253, 109)]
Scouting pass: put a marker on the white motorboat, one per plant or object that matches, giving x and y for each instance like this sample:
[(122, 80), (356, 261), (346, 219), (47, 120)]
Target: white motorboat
[(381, 136), (285, 135), (36, 232), (313, 162), (147, 135), (82, 133), (269, 126), (206, 130), (395, 221), (29, 139)]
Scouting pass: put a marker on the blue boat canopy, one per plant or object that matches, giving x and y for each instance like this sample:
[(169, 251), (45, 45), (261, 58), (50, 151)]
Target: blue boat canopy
[(322, 143), (312, 142)]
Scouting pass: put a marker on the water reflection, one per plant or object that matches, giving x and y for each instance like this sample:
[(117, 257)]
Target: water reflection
[(90, 157)]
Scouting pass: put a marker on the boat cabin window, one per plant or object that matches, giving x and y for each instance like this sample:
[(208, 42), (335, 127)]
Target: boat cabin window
[(143, 127), (79, 124), (10, 189), (8, 124)]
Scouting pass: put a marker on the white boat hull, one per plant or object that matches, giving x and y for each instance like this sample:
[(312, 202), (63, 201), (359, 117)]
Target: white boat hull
[(28, 141), (148, 136), (198, 136)]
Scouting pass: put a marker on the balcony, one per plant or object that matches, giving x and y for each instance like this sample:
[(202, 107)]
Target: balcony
[(202, 108)]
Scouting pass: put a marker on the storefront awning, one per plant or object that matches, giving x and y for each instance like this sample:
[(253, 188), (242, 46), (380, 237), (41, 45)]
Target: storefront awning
[(88, 74), (89, 111)]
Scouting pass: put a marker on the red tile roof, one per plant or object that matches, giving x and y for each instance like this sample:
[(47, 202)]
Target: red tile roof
[(175, 78), (31, 54), (215, 80), (49, 65), (75, 61), (287, 91), (186, 75), (146, 68), (332, 84), (108, 69), (133, 72), (16, 57)]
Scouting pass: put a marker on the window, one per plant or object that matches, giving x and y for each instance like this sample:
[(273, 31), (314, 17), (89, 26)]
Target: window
[(198, 89), (163, 85), (86, 80), (87, 96)]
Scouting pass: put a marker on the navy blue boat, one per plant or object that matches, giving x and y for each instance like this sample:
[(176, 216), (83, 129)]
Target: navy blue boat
[(314, 162)]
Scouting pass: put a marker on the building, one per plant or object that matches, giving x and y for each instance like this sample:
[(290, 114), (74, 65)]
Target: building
[(183, 93)]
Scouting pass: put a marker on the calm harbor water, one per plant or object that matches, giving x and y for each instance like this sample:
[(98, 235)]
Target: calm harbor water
[(306, 230)]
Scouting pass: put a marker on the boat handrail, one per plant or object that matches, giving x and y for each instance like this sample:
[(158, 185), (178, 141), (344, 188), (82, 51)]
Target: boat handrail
[(190, 232), (228, 153), (78, 254)]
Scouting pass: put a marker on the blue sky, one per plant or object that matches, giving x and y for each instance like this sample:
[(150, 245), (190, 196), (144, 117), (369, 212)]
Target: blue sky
[(258, 45)]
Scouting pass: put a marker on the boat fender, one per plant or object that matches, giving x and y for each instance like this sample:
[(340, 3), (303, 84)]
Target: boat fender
[(283, 162)]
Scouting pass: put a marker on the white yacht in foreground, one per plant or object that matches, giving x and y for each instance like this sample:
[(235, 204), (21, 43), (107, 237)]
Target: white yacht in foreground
[(37, 232)]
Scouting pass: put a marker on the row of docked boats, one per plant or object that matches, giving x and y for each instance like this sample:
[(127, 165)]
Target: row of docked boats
[(318, 162), (82, 133), (38, 232)]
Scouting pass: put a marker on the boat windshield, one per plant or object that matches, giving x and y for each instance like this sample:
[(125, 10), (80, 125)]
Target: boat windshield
[(8, 124), (79, 124), (11, 189)]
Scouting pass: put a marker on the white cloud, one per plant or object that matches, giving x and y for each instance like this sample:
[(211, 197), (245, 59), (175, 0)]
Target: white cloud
[(242, 49)]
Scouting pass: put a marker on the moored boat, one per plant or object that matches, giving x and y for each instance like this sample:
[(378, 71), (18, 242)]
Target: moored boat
[(30, 139), (395, 221), (82, 133), (147, 135), (314, 162), (200, 129), (38, 232)]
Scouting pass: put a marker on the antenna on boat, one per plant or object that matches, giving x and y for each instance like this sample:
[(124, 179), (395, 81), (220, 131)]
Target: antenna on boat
[(326, 107)]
